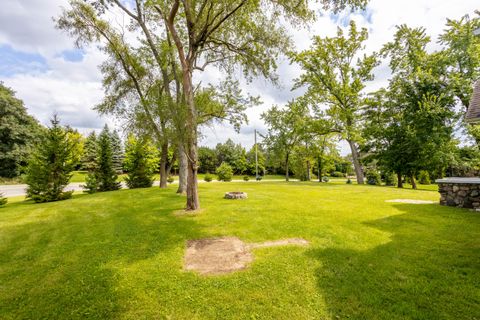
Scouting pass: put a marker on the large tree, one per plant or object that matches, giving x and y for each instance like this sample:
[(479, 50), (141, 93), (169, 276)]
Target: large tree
[(286, 128), (410, 124), (228, 33), (461, 53), (18, 133), (335, 77)]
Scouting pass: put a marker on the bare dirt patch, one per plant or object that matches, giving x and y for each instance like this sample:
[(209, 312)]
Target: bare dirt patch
[(411, 201), (226, 255)]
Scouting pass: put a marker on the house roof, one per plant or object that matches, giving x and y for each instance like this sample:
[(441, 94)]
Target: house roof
[(473, 112)]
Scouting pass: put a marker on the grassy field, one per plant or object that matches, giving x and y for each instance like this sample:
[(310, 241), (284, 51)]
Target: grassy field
[(119, 255)]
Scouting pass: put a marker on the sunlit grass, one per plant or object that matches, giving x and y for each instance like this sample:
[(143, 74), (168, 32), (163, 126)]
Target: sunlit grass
[(118, 255)]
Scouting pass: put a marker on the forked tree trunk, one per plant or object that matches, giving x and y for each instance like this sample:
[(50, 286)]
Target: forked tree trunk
[(182, 170), (193, 201), (399, 180), (356, 162), (163, 165)]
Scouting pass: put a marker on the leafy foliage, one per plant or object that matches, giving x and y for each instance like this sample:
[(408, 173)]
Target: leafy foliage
[(141, 162), (391, 179), (90, 154), (335, 79), (373, 177), (105, 174), (118, 154), (50, 166), (424, 177), (18, 133), (224, 172)]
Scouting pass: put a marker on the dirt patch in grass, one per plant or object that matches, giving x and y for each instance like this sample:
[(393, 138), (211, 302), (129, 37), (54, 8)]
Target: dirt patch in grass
[(226, 255), (411, 201)]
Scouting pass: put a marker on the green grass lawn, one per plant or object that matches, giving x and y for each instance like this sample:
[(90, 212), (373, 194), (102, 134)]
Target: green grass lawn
[(119, 255)]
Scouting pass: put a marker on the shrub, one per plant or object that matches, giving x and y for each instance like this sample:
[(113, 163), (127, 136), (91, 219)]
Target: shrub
[(141, 163), (391, 179), (246, 178), (170, 179), (424, 177), (258, 178), (208, 177), (3, 200), (349, 181), (337, 174), (91, 185), (105, 172), (325, 179), (50, 166), (224, 172), (373, 178)]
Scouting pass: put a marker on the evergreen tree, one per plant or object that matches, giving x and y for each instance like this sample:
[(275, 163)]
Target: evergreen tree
[(141, 162), (3, 200), (50, 166), (117, 152), (89, 159), (105, 174), (18, 131)]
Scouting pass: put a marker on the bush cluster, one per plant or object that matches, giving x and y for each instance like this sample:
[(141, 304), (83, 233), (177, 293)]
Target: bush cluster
[(224, 172), (373, 178)]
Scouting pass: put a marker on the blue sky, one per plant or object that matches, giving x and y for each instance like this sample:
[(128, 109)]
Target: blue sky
[(45, 69)]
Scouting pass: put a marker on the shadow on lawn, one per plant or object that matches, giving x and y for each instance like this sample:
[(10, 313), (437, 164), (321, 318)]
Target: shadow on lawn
[(56, 266), (429, 270)]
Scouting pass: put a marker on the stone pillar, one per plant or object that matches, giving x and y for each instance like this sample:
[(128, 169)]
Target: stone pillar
[(460, 192)]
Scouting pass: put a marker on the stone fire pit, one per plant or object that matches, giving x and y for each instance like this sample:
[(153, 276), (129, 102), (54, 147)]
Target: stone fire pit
[(460, 192), (235, 195)]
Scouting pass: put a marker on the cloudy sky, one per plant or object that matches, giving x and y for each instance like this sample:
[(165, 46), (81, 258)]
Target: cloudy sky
[(41, 64)]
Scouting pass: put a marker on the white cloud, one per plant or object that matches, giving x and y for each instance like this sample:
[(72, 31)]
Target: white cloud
[(73, 88)]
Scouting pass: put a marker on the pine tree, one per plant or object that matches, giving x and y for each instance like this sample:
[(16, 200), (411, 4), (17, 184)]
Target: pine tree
[(141, 162), (117, 150), (105, 174), (50, 166), (3, 200), (90, 154)]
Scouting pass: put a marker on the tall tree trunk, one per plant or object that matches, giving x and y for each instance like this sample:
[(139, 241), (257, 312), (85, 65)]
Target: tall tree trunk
[(399, 180), (187, 62), (182, 170), (193, 201), (414, 183), (286, 168), (163, 165), (308, 170), (356, 162), (319, 169)]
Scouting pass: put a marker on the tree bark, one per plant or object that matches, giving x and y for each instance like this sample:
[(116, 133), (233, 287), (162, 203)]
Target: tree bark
[(286, 168), (308, 170), (163, 165), (414, 183), (190, 138), (182, 170), (399, 180), (356, 162)]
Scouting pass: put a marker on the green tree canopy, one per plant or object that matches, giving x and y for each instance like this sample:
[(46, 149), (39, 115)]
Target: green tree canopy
[(18, 133)]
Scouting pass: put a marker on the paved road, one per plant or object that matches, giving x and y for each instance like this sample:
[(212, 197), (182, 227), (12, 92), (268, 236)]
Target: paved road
[(15, 190)]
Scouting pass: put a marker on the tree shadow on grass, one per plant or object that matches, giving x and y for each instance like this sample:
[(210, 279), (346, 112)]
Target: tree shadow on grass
[(430, 268), (55, 258)]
